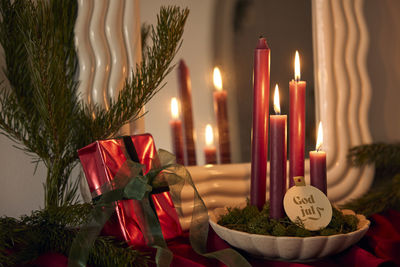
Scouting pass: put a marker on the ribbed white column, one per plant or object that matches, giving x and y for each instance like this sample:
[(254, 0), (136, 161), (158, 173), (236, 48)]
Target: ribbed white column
[(107, 37)]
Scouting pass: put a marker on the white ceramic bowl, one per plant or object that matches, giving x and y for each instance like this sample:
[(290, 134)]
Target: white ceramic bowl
[(289, 248)]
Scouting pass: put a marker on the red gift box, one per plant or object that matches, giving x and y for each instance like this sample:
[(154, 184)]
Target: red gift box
[(101, 160)]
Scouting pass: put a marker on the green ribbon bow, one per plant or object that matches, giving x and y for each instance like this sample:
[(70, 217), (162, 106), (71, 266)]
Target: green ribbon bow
[(130, 183)]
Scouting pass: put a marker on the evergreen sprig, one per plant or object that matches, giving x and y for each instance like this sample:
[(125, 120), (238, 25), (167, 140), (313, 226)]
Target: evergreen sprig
[(385, 193), (40, 109), (53, 230)]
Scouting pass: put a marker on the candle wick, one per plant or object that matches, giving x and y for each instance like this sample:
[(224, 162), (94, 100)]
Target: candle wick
[(297, 79)]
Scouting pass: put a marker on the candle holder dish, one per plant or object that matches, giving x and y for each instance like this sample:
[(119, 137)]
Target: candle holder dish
[(289, 248)]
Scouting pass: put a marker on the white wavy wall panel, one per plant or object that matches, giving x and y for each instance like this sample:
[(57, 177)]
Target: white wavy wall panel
[(107, 37), (342, 97)]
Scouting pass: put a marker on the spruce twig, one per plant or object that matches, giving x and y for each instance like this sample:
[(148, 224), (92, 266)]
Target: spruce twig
[(40, 111), (53, 230), (385, 193)]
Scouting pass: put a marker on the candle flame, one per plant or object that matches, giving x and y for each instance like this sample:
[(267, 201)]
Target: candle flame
[(174, 108), (277, 106), (209, 135), (217, 79), (297, 66), (320, 137)]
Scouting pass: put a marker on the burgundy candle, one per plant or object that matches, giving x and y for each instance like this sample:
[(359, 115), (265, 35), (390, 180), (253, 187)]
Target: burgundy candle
[(318, 164), (176, 132), (297, 90), (278, 136), (210, 152), (259, 149), (185, 94), (221, 112)]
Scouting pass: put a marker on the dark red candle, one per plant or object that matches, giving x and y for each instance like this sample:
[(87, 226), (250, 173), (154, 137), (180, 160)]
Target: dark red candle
[(176, 132), (210, 152), (259, 145), (297, 90), (221, 112), (318, 165), (185, 95), (278, 136)]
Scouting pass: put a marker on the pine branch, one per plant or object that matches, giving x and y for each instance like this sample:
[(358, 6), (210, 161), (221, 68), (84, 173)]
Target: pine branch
[(383, 155), (385, 193), (41, 112), (53, 230), (382, 198)]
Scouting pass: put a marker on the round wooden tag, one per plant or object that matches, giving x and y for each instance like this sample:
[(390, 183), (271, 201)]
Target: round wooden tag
[(308, 206)]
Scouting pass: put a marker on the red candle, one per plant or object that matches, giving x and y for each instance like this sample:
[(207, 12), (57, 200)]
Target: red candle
[(297, 101), (185, 94), (221, 113), (318, 164), (278, 146), (176, 132), (259, 149), (210, 152)]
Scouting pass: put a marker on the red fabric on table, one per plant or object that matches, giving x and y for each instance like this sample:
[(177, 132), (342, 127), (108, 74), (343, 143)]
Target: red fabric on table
[(380, 247), (383, 237)]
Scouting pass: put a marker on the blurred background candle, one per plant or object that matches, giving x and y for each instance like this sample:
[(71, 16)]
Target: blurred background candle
[(318, 164), (259, 145), (185, 95), (297, 90), (176, 132), (221, 112), (278, 136), (210, 152)]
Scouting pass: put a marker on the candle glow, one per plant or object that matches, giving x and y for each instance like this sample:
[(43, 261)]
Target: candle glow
[(277, 106), (174, 108), (297, 66), (320, 137), (217, 79), (209, 135)]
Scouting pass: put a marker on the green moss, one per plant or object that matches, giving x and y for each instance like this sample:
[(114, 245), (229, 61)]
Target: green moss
[(252, 221)]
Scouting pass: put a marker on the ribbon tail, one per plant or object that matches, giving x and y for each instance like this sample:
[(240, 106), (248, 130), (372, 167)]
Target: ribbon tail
[(199, 227), (153, 234)]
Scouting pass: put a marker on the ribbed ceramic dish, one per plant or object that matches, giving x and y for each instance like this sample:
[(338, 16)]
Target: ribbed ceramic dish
[(289, 248)]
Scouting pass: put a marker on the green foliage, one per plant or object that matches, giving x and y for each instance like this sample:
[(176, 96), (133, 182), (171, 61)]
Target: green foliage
[(251, 220), (41, 111), (53, 230), (385, 192)]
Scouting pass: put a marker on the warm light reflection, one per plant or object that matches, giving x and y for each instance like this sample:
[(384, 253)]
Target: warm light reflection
[(320, 137), (277, 106), (217, 79), (174, 108), (209, 135), (297, 66)]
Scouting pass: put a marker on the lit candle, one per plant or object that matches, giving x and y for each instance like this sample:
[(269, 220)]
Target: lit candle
[(259, 145), (176, 132), (185, 94), (278, 160), (297, 101), (221, 113), (210, 152), (318, 164)]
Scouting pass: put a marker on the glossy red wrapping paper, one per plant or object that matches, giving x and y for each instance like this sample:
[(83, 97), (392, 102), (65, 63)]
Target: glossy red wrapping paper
[(101, 160)]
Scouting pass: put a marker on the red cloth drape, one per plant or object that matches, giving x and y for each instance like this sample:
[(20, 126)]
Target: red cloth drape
[(379, 247)]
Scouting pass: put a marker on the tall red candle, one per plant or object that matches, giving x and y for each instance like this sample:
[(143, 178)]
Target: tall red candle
[(210, 152), (297, 90), (176, 132), (221, 112), (259, 148), (185, 94), (318, 164), (278, 136)]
